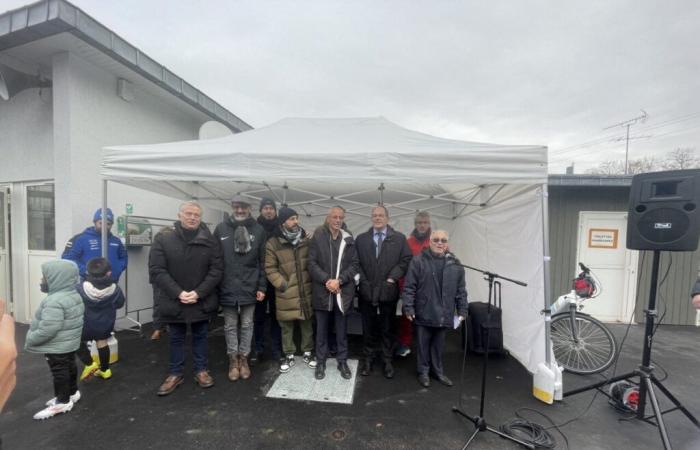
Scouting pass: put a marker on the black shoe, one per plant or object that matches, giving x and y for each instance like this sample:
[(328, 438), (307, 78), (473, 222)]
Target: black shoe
[(366, 367), (320, 373), (388, 370), (254, 358), (423, 380), (344, 370), (444, 380)]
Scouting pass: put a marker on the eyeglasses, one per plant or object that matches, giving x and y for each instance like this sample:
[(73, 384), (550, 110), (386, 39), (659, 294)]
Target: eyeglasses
[(439, 240)]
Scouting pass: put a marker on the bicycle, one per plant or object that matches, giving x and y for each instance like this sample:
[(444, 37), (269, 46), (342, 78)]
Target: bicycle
[(581, 343)]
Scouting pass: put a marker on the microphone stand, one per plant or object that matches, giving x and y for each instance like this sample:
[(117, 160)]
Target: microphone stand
[(479, 420)]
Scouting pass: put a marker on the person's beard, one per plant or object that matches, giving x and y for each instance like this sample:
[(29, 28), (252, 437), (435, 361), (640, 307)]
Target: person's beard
[(291, 230), (240, 218)]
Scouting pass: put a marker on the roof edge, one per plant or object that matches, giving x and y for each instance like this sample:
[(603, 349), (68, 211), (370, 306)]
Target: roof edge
[(49, 17)]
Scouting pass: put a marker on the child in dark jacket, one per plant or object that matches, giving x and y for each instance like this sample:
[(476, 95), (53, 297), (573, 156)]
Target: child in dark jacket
[(102, 298)]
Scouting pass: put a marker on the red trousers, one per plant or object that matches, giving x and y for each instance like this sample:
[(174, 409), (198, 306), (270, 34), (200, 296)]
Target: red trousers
[(405, 336)]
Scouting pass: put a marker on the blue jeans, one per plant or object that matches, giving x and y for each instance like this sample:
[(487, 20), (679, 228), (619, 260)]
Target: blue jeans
[(178, 331)]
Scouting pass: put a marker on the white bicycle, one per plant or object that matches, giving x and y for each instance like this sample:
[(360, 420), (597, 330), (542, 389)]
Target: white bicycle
[(582, 344)]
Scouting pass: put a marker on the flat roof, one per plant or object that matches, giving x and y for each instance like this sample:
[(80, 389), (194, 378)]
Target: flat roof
[(50, 17), (590, 180)]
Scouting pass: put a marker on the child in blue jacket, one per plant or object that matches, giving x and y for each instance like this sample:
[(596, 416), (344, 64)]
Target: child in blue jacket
[(102, 298)]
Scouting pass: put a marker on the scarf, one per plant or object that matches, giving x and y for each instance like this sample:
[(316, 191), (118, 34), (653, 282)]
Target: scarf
[(241, 237), (293, 237), (268, 224)]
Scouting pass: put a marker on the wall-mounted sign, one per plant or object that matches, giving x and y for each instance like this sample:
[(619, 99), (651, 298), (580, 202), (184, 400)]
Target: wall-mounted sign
[(603, 238)]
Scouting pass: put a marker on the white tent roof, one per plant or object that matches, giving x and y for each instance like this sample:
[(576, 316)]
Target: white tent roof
[(340, 150), (487, 196)]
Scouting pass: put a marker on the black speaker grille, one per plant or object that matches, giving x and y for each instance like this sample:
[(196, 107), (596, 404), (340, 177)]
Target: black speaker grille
[(663, 225)]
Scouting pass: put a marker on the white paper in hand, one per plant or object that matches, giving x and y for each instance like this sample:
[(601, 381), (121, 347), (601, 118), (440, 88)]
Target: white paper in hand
[(456, 322)]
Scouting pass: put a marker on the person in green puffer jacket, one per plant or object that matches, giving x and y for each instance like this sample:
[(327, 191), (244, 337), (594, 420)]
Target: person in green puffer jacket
[(55, 332)]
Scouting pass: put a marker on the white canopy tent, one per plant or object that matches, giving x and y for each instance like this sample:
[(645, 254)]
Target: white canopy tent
[(491, 198)]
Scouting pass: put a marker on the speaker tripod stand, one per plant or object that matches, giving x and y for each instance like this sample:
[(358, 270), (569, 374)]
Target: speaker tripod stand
[(479, 421), (645, 372)]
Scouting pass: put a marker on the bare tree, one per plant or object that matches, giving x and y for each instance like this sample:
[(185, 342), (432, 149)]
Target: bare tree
[(681, 158), (678, 159)]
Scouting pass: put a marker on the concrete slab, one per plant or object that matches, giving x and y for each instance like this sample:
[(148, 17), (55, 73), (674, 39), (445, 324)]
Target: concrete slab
[(300, 384)]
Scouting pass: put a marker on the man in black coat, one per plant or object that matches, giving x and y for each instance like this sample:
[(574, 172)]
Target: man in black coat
[(243, 284), (265, 311), (695, 294), (332, 265), (433, 295), (185, 265), (384, 257)]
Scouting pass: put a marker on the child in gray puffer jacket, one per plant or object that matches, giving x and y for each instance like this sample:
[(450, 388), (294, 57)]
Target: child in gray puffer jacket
[(55, 332)]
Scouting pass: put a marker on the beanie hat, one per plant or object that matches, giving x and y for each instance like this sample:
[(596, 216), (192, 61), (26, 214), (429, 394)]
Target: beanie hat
[(267, 201), (285, 213), (98, 215)]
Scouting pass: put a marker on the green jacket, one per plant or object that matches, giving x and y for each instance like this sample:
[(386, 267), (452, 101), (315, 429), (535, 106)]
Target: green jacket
[(285, 266), (58, 321)]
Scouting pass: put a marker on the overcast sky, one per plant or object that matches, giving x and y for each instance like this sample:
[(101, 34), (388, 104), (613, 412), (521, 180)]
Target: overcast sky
[(520, 72)]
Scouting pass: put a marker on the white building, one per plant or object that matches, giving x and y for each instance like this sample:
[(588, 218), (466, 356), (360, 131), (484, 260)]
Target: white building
[(89, 88)]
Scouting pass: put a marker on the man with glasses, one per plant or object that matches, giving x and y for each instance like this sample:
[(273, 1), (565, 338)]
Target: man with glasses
[(84, 246), (244, 283), (434, 294), (384, 257)]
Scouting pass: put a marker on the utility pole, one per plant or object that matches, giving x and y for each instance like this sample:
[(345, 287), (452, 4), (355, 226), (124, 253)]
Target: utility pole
[(627, 124)]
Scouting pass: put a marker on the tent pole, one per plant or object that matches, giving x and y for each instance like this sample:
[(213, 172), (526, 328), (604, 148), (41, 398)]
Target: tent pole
[(546, 267), (104, 221)]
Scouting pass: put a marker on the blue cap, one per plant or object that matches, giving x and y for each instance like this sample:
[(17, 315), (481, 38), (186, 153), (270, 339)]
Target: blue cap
[(98, 215)]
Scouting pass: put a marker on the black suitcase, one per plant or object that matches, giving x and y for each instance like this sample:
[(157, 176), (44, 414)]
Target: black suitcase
[(478, 323)]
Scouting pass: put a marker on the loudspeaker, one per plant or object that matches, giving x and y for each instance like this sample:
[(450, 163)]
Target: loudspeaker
[(663, 211)]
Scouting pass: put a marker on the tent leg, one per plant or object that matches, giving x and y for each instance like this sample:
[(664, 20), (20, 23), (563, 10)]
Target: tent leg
[(104, 215), (546, 267)]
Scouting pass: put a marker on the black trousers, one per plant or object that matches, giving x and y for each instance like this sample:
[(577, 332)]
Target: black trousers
[(430, 343), (379, 329), (323, 320), (65, 375)]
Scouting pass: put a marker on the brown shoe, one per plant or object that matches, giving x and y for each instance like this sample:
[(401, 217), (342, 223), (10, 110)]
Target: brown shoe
[(156, 335), (233, 368), (203, 379), (169, 385), (245, 368)]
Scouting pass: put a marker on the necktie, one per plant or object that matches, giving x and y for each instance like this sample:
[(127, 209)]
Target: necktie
[(380, 239)]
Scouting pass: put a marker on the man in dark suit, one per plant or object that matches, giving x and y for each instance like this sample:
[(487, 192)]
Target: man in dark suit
[(384, 257)]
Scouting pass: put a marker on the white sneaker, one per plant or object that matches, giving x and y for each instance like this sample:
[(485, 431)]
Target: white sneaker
[(287, 363), (52, 410), (309, 360), (74, 398)]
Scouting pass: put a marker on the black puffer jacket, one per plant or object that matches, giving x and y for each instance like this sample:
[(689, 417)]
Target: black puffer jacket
[(322, 267), (176, 265), (421, 293), (392, 263), (244, 273)]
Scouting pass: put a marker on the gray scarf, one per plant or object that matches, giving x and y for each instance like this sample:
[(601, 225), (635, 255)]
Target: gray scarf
[(292, 236)]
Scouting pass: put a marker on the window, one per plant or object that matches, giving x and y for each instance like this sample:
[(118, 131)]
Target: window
[(41, 217)]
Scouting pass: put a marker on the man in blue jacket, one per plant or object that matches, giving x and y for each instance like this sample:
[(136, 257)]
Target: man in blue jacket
[(84, 246)]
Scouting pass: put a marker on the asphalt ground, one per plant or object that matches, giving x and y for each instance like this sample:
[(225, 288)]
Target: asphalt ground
[(124, 412)]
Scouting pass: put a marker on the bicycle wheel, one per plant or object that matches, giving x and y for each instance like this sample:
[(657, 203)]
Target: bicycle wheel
[(594, 351)]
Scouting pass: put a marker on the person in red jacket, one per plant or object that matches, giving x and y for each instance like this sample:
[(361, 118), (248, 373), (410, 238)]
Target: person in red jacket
[(418, 241)]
